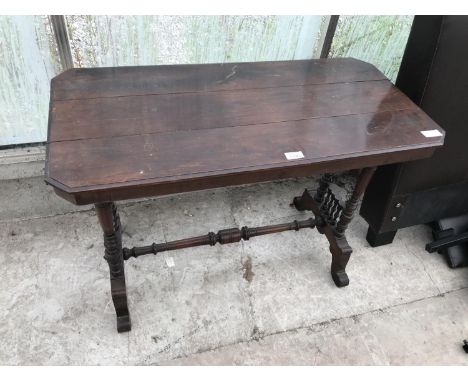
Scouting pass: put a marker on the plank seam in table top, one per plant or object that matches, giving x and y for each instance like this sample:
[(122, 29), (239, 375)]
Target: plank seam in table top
[(228, 127), (215, 91), (325, 62), (261, 62)]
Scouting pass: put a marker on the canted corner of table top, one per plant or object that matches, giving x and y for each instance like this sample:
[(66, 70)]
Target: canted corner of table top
[(125, 132)]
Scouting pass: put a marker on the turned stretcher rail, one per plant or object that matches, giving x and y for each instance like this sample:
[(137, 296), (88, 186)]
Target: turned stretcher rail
[(224, 236)]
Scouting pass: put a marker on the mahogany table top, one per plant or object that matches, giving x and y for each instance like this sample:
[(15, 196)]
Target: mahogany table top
[(128, 132)]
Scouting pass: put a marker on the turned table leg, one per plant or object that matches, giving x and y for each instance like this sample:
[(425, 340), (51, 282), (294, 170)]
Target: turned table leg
[(110, 223), (340, 249), (332, 219)]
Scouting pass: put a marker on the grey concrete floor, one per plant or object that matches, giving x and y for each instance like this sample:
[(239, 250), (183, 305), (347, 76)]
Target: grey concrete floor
[(403, 305)]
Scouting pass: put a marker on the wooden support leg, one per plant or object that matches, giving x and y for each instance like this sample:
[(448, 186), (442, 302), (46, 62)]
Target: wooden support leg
[(341, 252), (351, 205), (304, 202), (332, 219), (340, 249), (110, 223)]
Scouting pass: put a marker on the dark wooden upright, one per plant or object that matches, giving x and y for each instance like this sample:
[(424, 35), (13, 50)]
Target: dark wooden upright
[(130, 132)]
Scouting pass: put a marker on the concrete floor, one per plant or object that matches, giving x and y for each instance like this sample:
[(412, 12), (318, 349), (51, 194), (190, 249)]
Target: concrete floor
[(402, 307)]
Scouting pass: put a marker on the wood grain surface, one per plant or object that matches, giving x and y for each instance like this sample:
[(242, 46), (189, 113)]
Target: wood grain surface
[(118, 133)]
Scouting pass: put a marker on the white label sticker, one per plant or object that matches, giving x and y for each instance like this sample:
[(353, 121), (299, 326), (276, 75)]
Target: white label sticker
[(294, 155), (170, 262), (431, 133)]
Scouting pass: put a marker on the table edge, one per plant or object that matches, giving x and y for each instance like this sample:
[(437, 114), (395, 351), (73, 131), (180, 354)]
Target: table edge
[(136, 189)]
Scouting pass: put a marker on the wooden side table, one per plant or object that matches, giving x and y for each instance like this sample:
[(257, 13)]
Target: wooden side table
[(131, 132)]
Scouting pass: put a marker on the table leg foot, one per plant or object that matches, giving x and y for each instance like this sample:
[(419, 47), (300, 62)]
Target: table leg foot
[(119, 298), (110, 223), (304, 202), (341, 252), (123, 324), (332, 219), (296, 203), (340, 278)]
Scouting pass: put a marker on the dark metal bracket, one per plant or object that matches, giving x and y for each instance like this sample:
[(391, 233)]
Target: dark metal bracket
[(448, 239)]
